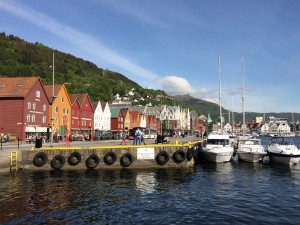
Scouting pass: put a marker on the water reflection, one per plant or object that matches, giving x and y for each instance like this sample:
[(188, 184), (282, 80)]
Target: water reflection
[(145, 182), (213, 193)]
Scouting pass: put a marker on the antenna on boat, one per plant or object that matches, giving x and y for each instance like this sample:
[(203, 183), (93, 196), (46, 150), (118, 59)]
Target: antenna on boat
[(220, 101)]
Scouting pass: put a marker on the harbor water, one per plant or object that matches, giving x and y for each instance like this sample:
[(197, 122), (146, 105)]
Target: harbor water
[(226, 193)]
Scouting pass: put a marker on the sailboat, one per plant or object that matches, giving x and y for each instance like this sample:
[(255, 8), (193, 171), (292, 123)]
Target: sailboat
[(218, 148), (249, 148)]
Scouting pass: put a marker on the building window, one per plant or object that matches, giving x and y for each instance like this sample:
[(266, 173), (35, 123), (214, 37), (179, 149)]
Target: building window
[(56, 109), (28, 118), (67, 110), (33, 105), (72, 122), (64, 111), (44, 107), (32, 118), (44, 119), (62, 99), (37, 94), (29, 105)]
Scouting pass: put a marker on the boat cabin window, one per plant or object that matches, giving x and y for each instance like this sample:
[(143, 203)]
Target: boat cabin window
[(281, 140), (218, 141)]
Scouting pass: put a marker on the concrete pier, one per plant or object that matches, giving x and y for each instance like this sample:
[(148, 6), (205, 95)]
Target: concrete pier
[(103, 157)]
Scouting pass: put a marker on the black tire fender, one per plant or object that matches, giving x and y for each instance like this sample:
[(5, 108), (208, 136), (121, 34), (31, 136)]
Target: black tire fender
[(92, 161), (58, 162), (74, 158), (110, 158), (126, 160), (179, 156), (162, 158), (189, 154), (40, 159)]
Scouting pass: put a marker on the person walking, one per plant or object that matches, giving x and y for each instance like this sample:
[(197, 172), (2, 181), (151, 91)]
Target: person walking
[(123, 138), (143, 137)]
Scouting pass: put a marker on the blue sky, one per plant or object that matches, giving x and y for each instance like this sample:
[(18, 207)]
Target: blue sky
[(174, 44)]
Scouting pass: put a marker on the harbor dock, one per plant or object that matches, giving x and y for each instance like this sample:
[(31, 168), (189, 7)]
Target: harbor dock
[(99, 155)]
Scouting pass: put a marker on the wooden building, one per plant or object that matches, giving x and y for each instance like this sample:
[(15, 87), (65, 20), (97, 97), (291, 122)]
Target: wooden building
[(24, 107), (82, 116)]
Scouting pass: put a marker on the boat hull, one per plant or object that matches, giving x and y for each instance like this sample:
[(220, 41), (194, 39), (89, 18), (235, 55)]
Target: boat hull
[(283, 158), (251, 156), (217, 157)]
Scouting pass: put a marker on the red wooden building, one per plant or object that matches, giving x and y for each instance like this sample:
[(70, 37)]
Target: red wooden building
[(24, 107), (82, 116), (117, 119)]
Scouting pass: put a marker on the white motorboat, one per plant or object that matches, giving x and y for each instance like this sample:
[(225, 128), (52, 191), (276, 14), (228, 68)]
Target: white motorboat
[(250, 149), (218, 148), (281, 149)]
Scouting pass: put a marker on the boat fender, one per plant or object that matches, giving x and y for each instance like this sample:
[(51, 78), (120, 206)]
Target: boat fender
[(110, 158), (179, 156), (92, 161), (57, 162), (74, 158), (234, 153), (189, 154), (162, 158), (200, 146), (126, 160), (40, 159)]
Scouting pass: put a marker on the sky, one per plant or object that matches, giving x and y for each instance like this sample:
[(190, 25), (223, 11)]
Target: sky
[(180, 46)]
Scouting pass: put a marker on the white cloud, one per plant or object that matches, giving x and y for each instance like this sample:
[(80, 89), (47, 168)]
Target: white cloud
[(175, 85)]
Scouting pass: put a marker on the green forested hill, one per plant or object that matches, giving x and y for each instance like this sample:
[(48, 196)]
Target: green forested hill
[(21, 58)]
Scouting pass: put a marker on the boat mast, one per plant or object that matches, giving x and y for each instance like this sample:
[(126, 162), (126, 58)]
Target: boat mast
[(232, 113), (220, 101), (243, 87)]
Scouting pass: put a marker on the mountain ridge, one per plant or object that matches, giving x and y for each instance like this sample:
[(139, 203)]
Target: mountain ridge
[(21, 58)]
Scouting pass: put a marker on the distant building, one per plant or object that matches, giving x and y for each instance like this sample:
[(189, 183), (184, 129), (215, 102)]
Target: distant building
[(120, 104)]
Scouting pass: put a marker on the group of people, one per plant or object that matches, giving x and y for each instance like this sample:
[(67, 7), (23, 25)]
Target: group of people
[(138, 137)]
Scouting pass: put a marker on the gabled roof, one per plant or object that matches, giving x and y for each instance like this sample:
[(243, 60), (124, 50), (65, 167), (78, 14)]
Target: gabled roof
[(103, 105), (48, 89), (114, 112), (94, 105), (134, 114), (17, 86), (79, 97)]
